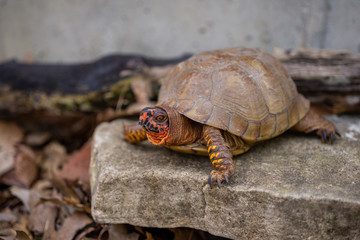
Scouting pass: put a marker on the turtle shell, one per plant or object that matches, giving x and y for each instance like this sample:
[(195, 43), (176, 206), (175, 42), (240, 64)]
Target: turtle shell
[(243, 91)]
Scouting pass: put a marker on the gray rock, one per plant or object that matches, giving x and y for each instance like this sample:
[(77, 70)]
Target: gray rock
[(291, 187)]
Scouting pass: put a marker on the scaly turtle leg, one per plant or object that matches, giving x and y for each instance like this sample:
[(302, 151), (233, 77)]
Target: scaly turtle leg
[(134, 133), (313, 121), (220, 156)]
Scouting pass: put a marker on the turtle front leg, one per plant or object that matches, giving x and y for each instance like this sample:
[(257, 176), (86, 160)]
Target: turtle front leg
[(134, 133), (314, 122), (220, 156)]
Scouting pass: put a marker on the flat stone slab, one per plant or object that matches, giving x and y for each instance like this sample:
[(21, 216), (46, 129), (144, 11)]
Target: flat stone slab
[(291, 187)]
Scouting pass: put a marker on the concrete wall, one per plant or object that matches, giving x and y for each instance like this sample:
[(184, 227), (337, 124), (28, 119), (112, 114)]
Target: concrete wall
[(72, 30)]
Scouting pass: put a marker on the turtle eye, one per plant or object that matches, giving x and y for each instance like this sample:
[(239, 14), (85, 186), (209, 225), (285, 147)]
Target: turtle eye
[(160, 118)]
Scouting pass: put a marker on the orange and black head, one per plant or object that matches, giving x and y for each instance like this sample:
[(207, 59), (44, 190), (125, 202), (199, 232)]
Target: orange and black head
[(155, 121)]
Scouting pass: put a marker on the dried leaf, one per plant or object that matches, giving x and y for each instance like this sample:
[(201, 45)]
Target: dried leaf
[(7, 217), (54, 157), (71, 226), (52, 200), (65, 201), (37, 139), (84, 232), (139, 229), (25, 166), (149, 236), (77, 166), (21, 235), (20, 227), (11, 179), (81, 189), (49, 229), (11, 134), (77, 204), (23, 194), (42, 187), (8, 234), (47, 211), (25, 171)]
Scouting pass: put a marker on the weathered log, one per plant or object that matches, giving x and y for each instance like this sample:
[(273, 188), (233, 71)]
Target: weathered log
[(79, 78), (322, 71), (84, 87), (94, 86)]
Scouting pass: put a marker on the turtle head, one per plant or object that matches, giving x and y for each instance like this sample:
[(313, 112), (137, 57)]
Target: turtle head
[(155, 121), (166, 126)]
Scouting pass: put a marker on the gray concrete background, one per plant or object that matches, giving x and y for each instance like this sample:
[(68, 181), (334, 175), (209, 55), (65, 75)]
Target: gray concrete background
[(74, 30)]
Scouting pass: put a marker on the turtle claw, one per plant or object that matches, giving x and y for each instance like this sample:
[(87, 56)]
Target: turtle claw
[(327, 135), (210, 182), (323, 136), (331, 138), (337, 133), (218, 183), (219, 176)]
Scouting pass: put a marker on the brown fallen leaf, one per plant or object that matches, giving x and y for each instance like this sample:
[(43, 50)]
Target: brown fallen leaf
[(81, 189), (47, 211), (11, 179), (41, 194), (7, 234), (21, 235), (41, 216), (21, 230), (26, 169), (54, 157), (7, 216), (65, 201), (11, 134), (81, 235), (77, 166), (22, 194), (42, 187), (139, 229), (71, 226), (149, 236), (37, 139)]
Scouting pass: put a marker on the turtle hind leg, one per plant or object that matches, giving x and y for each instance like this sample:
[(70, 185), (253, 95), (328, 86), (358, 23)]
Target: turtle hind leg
[(219, 154), (314, 122), (134, 133)]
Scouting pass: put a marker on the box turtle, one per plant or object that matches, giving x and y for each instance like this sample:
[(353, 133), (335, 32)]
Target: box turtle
[(220, 103)]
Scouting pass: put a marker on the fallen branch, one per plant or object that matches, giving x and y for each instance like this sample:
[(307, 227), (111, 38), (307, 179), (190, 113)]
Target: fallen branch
[(322, 71)]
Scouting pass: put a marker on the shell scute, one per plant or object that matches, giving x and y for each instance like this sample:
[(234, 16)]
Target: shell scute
[(232, 94)]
